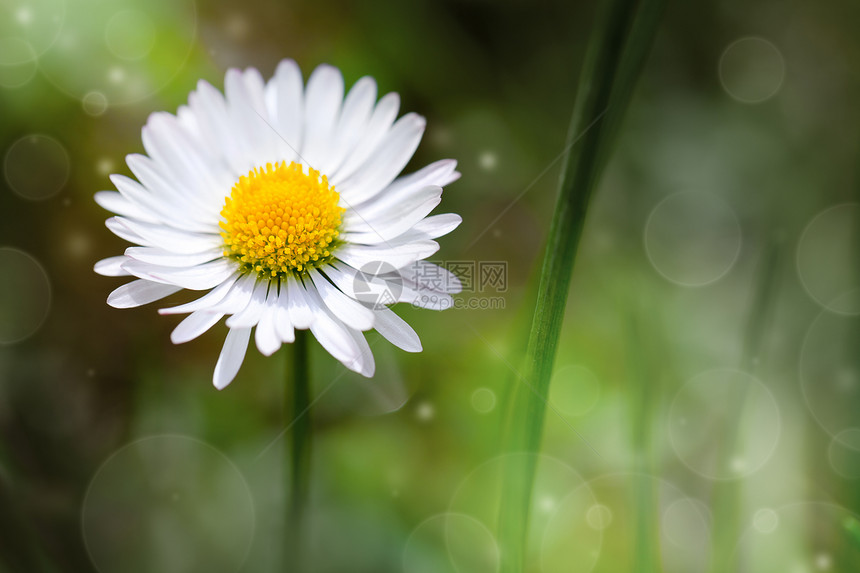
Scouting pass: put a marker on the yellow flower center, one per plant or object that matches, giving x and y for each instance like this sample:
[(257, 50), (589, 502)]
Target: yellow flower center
[(279, 221)]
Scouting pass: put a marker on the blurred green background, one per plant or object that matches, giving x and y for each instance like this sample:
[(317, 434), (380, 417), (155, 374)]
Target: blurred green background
[(704, 407)]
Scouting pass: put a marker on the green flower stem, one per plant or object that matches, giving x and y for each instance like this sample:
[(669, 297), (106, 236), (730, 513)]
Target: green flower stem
[(298, 455), (615, 56)]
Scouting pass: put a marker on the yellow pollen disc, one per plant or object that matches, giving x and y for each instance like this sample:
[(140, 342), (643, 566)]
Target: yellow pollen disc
[(279, 221)]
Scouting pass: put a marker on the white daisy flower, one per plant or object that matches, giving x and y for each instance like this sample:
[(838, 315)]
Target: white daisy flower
[(273, 197)]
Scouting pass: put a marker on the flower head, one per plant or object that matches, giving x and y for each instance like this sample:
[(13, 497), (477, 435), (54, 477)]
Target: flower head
[(283, 202)]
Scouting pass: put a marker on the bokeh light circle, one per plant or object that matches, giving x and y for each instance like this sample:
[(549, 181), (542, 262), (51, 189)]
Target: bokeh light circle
[(36, 167), (604, 506), (483, 400), (451, 543), (95, 103), (18, 62), (765, 520), (752, 70), (827, 256), (692, 239), (488, 160), (684, 525), (573, 537), (574, 390), (170, 504), (830, 371), (25, 295), (598, 517), (36, 23), (844, 453), (801, 537), (131, 49), (724, 424), (479, 493), (425, 411)]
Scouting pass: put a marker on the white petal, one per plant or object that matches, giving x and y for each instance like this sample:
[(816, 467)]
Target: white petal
[(397, 256), (350, 311), (116, 203), (265, 334), (166, 238), (157, 256), (283, 323), (380, 123), (205, 302), (323, 98), (194, 325), (289, 105), (437, 225), (333, 335), (190, 121), (365, 365), (112, 267), (301, 313), (356, 113), (388, 225), (187, 186), (153, 178), (335, 338), (244, 92), (396, 330), (439, 173), (429, 228), (387, 161), (428, 288), (232, 355), (366, 216), (173, 209), (215, 119), (140, 292), (427, 276), (118, 228), (345, 278), (199, 277), (193, 176), (239, 295), (249, 114), (421, 297), (371, 285), (250, 315)]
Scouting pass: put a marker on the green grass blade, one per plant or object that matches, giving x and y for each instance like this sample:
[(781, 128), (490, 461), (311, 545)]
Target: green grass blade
[(615, 57)]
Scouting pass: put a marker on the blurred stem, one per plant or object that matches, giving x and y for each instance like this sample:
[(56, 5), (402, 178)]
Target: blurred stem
[(22, 548), (727, 495), (761, 306), (644, 392), (297, 412), (616, 53), (852, 530)]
